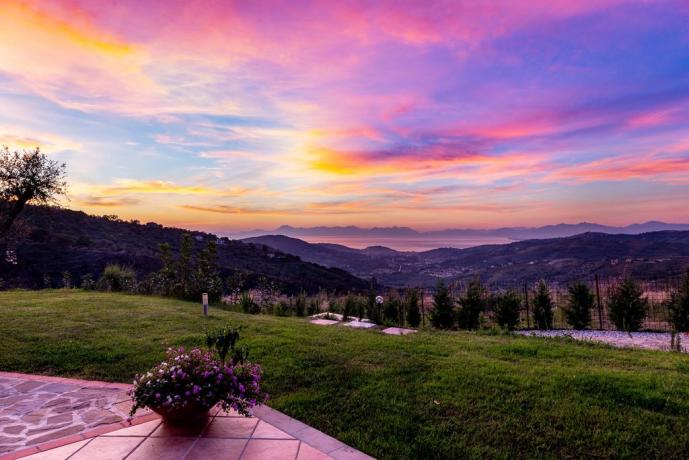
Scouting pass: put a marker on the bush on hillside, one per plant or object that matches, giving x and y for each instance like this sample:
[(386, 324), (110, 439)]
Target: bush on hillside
[(471, 305), (543, 307), (117, 278), (627, 305), (443, 314), (507, 306), (678, 305), (579, 305)]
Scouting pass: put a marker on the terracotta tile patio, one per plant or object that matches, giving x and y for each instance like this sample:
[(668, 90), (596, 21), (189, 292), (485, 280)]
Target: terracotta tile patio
[(268, 435)]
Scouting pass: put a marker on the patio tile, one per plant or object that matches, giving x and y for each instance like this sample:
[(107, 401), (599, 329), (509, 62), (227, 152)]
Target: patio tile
[(307, 452), (231, 427), (107, 448), (265, 430), (166, 430), (265, 449), (59, 453), (143, 429), (59, 388), (217, 448), (162, 449)]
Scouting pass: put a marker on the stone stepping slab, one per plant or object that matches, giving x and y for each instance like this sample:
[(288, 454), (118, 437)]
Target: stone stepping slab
[(398, 331)]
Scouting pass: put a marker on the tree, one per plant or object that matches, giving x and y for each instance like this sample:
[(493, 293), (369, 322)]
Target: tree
[(300, 304), (184, 267), (543, 307), (235, 284), (166, 276), (391, 310), (411, 301), (443, 314), (507, 308), (207, 273), (373, 308), (27, 177), (579, 305), (472, 304), (350, 307), (678, 305), (627, 306)]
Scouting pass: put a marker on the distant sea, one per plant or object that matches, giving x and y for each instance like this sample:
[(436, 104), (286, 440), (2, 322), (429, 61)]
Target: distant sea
[(406, 243)]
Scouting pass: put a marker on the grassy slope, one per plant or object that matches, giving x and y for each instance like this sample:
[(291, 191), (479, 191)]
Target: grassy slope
[(445, 395)]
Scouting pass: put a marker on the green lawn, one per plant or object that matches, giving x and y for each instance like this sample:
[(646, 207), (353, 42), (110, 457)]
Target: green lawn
[(439, 395)]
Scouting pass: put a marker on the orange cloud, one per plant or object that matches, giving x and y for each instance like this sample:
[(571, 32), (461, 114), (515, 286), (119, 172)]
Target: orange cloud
[(104, 202), (163, 187)]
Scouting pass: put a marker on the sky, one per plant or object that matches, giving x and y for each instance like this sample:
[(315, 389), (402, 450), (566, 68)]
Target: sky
[(224, 116)]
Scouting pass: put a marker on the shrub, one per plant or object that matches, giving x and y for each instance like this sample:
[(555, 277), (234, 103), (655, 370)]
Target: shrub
[(627, 306), (314, 306), (282, 308), (411, 303), (443, 314), (247, 304), (195, 379), (543, 307), (507, 306), (678, 305), (66, 280), (222, 340), (117, 278), (87, 282), (579, 305), (472, 304), (300, 305)]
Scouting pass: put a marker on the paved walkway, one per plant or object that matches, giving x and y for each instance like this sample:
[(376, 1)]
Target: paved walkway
[(52, 418), (646, 340)]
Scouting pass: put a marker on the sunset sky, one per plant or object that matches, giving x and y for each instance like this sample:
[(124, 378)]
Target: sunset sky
[(237, 115)]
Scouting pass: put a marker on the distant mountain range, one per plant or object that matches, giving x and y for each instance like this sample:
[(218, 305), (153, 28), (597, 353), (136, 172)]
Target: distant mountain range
[(55, 240), (512, 233), (559, 260)]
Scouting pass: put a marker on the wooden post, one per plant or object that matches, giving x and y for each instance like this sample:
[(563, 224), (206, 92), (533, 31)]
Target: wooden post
[(526, 302), (204, 301), (600, 308), (423, 308)]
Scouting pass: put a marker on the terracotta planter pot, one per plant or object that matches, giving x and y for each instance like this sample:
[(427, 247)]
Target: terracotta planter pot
[(188, 415)]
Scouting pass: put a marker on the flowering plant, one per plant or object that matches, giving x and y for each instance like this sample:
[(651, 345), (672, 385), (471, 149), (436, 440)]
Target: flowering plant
[(195, 380)]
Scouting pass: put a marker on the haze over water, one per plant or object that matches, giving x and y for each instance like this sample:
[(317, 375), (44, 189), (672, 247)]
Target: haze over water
[(416, 244)]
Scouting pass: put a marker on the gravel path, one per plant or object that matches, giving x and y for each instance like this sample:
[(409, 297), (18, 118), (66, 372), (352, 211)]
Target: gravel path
[(646, 340)]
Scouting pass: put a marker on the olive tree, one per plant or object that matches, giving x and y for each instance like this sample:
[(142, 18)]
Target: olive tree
[(27, 177)]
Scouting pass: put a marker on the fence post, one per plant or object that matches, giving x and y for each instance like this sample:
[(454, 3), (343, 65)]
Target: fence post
[(423, 308), (526, 302), (204, 301), (600, 308)]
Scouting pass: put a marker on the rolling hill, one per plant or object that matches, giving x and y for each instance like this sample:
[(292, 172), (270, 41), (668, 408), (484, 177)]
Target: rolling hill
[(560, 260), (52, 241)]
